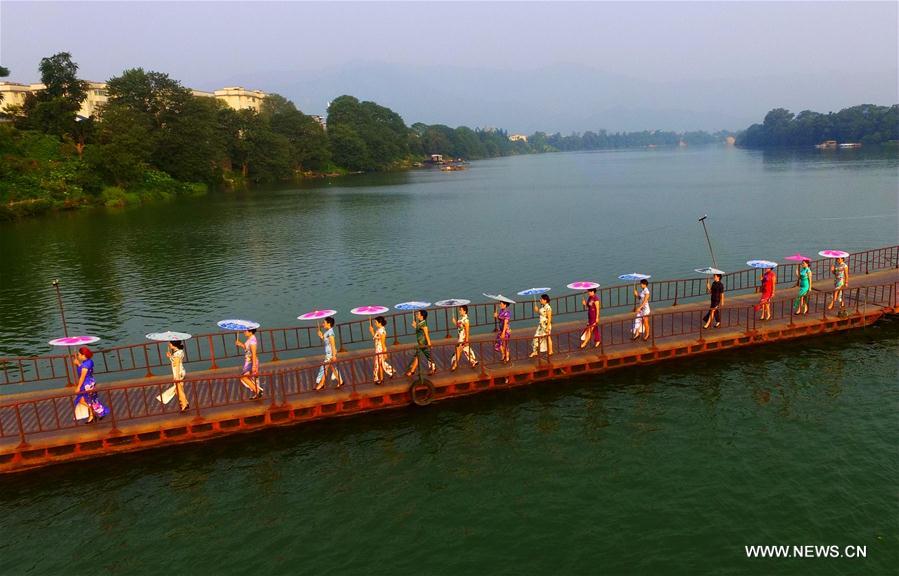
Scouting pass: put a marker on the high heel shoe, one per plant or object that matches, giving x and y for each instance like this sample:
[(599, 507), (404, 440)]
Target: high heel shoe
[(185, 408)]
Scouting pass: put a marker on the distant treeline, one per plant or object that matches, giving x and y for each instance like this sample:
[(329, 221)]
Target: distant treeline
[(471, 144), (155, 139), (867, 124)]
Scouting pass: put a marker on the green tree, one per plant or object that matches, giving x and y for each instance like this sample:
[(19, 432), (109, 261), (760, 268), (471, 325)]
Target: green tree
[(348, 149), (382, 131), (261, 154), (123, 148), (151, 94), (308, 142), (191, 145), (53, 110)]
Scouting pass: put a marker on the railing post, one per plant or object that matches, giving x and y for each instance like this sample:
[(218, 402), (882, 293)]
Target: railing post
[(149, 373), (446, 321), (115, 428), (274, 350), (702, 326), (213, 365), (396, 339), (196, 394), (340, 335), (281, 387), (22, 443), (652, 329)]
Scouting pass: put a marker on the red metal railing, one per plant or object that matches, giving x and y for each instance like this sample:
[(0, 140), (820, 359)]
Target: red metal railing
[(208, 350), (26, 419)]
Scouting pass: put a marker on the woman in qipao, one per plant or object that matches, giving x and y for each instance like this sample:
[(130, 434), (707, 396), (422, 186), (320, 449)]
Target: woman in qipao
[(87, 401)]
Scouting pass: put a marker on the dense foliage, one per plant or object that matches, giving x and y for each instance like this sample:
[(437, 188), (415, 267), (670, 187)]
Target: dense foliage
[(867, 124), (155, 138)]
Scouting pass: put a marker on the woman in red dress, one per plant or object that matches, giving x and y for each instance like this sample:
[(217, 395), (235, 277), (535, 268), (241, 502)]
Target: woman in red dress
[(769, 280)]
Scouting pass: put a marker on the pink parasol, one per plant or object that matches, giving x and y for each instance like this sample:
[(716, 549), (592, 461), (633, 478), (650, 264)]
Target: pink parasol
[(369, 310), (834, 254), (73, 340), (797, 257), (583, 285), (316, 314)]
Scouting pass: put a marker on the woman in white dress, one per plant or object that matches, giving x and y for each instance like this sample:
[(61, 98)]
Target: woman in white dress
[(642, 311), (542, 340), (382, 367), (463, 345)]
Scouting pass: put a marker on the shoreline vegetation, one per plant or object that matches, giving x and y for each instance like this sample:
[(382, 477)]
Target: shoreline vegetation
[(155, 140)]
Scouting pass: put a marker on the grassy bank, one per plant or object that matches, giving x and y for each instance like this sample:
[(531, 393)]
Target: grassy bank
[(39, 173)]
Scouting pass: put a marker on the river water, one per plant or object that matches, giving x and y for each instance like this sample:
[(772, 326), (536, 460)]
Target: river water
[(667, 469)]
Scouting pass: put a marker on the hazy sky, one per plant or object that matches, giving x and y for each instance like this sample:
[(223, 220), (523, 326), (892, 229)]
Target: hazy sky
[(208, 44)]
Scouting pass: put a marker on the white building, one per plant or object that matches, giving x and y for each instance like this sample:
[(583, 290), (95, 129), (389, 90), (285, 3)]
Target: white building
[(236, 97)]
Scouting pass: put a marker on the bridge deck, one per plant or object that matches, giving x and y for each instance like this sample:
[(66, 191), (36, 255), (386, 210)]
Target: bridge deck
[(36, 428)]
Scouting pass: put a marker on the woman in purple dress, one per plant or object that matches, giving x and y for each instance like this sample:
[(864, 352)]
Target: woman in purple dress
[(87, 394), (592, 304), (505, 330)]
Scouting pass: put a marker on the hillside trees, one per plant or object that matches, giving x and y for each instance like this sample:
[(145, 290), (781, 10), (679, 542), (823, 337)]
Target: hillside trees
[(866, 123)]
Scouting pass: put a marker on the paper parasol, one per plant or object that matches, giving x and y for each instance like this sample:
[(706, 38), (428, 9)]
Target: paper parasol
[(761, 264), (73, 340), (499, 298), (834, 254), (168, 336), (406, 306), (709, 270), (369, 310), (797, 257), (238, 325), (635, 276), (452, 302), (583, 285), (316, 314), (534, 291)]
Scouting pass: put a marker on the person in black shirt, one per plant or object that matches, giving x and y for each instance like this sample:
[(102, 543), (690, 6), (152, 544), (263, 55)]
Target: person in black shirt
[(716, 289)]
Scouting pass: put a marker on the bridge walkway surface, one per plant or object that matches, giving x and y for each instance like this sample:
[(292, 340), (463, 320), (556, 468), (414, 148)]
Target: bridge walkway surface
[(37, 426)]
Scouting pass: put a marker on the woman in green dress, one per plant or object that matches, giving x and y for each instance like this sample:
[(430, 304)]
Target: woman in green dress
[(804, 281), (423, 337)]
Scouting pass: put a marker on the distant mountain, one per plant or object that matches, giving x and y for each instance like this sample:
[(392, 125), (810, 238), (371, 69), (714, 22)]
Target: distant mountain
[(564, 97)]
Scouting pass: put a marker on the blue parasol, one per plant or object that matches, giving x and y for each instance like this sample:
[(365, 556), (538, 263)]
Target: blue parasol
[(635, 276), (761, 264), (238, 325), (407, 306), (534, 291)]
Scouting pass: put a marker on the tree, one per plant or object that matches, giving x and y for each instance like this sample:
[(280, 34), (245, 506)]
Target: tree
[(865, 123), (53, 109), (263, 155), (151, 94), (123, 148), (191, 144), (348, 149), (308, 142), (381, 130)]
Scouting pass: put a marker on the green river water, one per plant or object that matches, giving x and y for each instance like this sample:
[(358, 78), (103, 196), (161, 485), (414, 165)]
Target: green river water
[(668, 469)]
